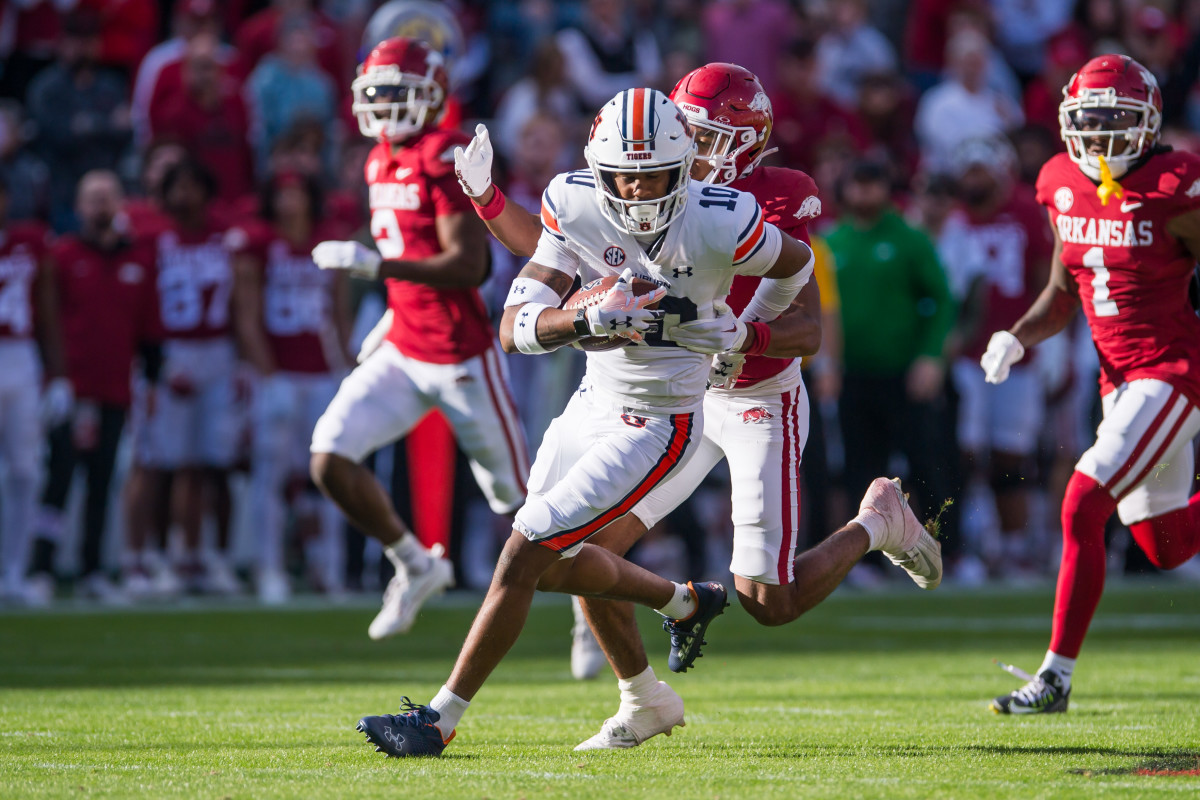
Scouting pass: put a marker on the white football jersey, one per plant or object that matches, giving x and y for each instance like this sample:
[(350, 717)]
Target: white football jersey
[(721, 233)]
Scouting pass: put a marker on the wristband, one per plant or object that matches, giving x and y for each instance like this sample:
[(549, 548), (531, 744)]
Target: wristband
[(525, 329), (582, 328), (494, 207), (762, 338), (528, 290)]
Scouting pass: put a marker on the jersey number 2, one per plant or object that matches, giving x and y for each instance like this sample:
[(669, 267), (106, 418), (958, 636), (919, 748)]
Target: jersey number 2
[(1093, 259), (386, 231)]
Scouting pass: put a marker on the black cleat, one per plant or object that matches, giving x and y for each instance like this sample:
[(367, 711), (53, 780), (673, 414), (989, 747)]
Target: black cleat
[(687, 635), (411, 733), (1043, 694)]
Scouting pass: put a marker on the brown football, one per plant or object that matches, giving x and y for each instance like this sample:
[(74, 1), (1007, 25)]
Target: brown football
[(592, 293)]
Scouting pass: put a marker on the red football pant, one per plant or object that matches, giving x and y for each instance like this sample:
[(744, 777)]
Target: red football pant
[(1169, 540)]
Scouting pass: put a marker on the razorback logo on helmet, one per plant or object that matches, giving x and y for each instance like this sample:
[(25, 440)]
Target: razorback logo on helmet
[(810, 208), (760, 102), (756, 415)]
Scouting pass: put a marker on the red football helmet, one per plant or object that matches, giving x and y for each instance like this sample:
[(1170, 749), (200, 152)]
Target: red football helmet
[(731, 116), (1112, 107), (401, 88)]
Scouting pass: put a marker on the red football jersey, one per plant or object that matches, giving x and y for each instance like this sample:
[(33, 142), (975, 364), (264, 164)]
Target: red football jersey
[(788, 198), (108, 306), (1131, 274), (195, 282), (22, 250), (1009, 247), (297, 300), (409, 189)]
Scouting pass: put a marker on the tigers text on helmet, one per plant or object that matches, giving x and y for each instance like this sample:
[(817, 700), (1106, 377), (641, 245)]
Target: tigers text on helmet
[(1113, 102), (401, 88), (640, 130), (728, 103)]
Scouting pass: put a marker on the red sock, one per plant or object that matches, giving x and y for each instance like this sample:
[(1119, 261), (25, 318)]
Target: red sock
[(1170, 539), (1086, 508)]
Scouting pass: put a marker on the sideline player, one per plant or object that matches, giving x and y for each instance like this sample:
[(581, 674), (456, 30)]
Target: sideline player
[(632, 421), (189, 426), (1125, 212), (440, 350), (293, 323), (756, 413), (28, 324), (1007, 253)]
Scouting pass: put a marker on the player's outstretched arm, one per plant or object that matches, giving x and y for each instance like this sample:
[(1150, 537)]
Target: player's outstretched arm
[(461, 264), (1054, 307), (513, 226)]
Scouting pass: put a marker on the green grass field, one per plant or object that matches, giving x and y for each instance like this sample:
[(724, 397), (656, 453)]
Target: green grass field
[(871, 695)]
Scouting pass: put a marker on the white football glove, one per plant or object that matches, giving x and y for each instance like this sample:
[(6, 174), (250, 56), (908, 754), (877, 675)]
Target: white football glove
[(1003, 351), (58, 401), (473, 166), (372, 340), (622, 313), (353, 256), (276, 398), (725, 369), (724, 333)]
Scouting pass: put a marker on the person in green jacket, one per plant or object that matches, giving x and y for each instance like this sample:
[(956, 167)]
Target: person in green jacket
[(896, 313)]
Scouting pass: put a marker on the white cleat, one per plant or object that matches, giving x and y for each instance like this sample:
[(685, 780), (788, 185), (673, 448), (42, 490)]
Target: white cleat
[(405, 594), (587, 659), (903, 539), (219, 578), (633, 725), (274, 588)]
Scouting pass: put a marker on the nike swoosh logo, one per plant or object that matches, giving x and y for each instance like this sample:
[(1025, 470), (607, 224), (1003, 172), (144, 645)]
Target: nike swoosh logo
[(731, 330), (403, 173), (1126, 207)]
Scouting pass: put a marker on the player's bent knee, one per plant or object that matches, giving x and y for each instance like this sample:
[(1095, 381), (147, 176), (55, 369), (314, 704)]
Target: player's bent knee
[(770, 605)]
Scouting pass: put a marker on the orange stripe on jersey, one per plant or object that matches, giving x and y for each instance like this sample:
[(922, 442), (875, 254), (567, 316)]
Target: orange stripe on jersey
[(747, 247), (639, 118), (548, 219)]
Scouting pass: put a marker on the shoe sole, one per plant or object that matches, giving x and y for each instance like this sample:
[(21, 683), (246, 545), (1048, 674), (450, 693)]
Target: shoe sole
[(927, 550)]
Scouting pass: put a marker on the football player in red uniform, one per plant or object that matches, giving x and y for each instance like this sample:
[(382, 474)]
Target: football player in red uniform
[(293, 324), (1006, 253), (440, 350), (1125, 212), (28, 324), (756, 412)]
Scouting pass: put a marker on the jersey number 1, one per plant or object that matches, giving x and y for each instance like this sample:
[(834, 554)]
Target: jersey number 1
[(1093, 259)]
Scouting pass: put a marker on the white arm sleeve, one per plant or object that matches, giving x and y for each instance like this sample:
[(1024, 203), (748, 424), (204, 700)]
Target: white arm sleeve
[(774, 295), (552, 251)]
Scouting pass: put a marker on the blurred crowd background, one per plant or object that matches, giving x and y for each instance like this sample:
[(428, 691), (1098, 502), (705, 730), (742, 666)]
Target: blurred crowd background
[(920, 120)]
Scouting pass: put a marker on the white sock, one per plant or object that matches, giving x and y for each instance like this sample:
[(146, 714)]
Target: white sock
[(1060, 666), (873, 524), (681, 605), (637, 688), (408, 552), (451, 707)]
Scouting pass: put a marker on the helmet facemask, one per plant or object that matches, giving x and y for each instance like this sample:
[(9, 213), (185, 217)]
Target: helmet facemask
[(720, 146), (643, 217), (393, 105), (1124, 128)]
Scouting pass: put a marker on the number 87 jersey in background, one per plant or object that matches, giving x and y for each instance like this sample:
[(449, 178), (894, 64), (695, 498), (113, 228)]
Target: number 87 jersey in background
[(1131, 273)]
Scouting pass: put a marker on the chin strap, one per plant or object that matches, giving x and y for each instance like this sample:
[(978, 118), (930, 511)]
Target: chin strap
[(1108, 185)]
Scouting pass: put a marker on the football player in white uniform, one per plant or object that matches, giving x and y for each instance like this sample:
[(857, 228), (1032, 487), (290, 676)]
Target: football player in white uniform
[(758, 421), (635, 417)]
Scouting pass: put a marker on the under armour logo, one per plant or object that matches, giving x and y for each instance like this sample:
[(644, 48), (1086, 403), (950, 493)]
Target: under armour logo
[(524, 315), (723, 368), (393, 737), (518, 290), (616, 323), (685, 272)]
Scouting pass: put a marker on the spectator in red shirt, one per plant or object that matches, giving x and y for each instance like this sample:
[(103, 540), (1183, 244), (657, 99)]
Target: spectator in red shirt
[(108, 302), (128, 29), (209, 118), (804, 118), (160, 74)]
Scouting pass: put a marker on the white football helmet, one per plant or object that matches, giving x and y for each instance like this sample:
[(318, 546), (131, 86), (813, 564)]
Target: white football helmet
[(641, 130)]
